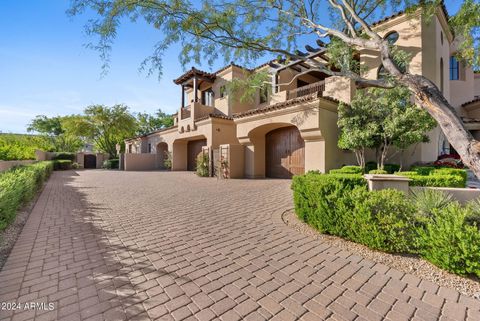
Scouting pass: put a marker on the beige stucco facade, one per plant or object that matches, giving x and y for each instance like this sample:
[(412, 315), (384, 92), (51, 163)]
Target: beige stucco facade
[(302, 106)]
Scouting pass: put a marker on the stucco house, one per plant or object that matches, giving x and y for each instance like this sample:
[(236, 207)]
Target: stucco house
[(293, 129)]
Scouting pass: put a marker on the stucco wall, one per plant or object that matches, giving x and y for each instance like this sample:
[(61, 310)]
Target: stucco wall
[(5, 165), (140, 162)]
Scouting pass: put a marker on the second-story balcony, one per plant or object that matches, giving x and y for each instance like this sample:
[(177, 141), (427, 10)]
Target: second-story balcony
[(189, 114), (312, 89), (340, 88)]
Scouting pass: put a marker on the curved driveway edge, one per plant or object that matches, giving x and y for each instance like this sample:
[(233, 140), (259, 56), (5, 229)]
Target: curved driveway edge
[(111, 245)]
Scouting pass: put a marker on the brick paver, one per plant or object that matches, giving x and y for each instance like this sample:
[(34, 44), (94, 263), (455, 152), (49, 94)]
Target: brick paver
[(112, 245)]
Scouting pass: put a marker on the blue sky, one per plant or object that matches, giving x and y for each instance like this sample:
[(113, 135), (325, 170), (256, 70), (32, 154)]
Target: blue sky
[(46, 69)]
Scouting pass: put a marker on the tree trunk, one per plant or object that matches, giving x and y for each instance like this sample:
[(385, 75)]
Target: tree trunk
[(429, 97)]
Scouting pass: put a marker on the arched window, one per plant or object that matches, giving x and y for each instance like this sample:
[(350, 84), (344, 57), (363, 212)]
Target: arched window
[(441, 74), (441, 37), (392, 37), (454, 68)]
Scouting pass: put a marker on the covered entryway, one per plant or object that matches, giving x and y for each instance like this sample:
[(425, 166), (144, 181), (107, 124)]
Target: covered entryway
[(194, 148), (89, 161), (284, 153)]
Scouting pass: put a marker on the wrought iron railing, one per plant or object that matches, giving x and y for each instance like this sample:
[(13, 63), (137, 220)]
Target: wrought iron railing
[(311, 89)]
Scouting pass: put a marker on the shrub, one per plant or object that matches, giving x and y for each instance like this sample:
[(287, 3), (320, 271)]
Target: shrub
[(167, 161), (378, 171), (64, 156), (381, 220), (62, 164), (341, 205), (111, 163), (434, 180), (18, 186), (202, 165), (350, 169), (316, 197), (427, 200), (449, 242), (391, 168)]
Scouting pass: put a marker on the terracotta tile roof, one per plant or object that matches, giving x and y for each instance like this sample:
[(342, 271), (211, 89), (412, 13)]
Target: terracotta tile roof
[(194, 71), (471, 102), (214, 115), (152, 132), (399, 13), (468, 120), (282, 105)]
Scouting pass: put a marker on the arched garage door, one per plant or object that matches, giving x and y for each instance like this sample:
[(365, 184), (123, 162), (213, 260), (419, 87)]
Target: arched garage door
[(285, 153)]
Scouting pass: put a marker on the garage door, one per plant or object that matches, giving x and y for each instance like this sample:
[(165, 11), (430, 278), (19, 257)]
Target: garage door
[(285, 153), (194, 148)]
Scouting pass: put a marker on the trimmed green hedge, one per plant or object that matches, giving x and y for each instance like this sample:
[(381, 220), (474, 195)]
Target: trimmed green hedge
[(436, 177), (341, 205), (378, 171), (62, 164), (64, 156), (111, 164), (347, 170), (387, 220), (18, 186)]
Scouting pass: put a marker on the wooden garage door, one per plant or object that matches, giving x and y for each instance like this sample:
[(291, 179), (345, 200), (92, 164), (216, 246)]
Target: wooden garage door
[(285, 153), (194, 148)]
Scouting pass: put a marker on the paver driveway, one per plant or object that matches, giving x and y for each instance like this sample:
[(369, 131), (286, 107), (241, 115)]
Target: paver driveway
[(136, 245)]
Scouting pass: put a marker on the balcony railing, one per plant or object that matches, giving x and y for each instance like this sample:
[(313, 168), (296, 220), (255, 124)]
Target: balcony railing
[(315, 88)]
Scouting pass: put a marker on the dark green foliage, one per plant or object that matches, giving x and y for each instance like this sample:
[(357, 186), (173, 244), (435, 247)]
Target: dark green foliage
[(378, 171), (64, 156), (62, 164), (111, 164), (391, 168), (429, 224), (341, 205), (449, 242), (436, 177), (347, 170), (18, 186), (369, 166)]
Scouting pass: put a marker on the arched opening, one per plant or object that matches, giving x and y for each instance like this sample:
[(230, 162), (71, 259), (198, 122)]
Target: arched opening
[(284, 153), (162, 154)]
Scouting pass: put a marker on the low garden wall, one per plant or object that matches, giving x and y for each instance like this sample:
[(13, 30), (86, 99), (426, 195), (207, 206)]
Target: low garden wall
[(6, 165), (140, 162)]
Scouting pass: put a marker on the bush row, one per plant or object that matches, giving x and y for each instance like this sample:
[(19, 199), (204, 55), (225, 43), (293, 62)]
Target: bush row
[(420, 175), (111, 164), (436, 177), (389, 221), (19, 185)]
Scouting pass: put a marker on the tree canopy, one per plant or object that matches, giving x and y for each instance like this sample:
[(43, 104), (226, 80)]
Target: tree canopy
[(381, 119), (147, 123), (105, 126)]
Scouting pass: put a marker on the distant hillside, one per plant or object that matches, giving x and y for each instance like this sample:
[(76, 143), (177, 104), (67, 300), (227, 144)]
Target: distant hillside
[(22, 146)]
